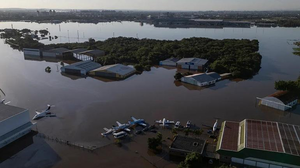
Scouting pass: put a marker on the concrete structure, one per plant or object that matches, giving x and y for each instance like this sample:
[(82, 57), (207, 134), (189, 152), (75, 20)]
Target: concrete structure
[(32, 52), (257, 143), (192, 63), (169, 62), (182, 146), (14, 123), (282, 100), (113, 71), (202, 79), (80, 68)]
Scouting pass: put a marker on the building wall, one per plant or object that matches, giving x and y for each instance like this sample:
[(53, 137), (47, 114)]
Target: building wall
[(167, 63), (267, 156), (49, 54), (14, 122), (194, 82), (278, 105), (32, 52), (14, 137)]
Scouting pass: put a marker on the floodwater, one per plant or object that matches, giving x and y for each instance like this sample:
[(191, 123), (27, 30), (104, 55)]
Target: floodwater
[(84, 106)]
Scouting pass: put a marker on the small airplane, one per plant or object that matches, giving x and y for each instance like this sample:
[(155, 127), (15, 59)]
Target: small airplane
[(45, 113), (177, 124), (3, 102), (188, 124), (140, 122), (119, 135), (213, 128), (121, 127), (164, 122), (108, 131)]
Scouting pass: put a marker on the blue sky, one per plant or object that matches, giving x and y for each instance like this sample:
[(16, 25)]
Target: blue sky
[(156, 4)]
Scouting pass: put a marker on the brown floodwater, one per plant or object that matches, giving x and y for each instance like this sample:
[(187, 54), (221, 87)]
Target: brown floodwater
[(84, 106)]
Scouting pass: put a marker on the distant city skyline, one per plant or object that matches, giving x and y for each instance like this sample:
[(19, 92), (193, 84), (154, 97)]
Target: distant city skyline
[(183, 5)]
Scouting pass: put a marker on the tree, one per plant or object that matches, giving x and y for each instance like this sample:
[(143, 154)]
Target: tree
[(139, 67), (154, 142), (192, 160), (178, 76)]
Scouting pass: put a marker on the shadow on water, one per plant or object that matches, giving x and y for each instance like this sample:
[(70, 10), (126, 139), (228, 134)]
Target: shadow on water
[(16, 146), (30, 151)]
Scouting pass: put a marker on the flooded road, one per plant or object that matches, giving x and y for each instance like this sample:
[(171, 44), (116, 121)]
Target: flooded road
[(85, 106)]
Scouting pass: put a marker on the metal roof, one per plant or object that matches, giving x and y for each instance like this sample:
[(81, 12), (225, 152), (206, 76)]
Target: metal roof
[(195, 61), (201, 77), (214, 75), (230, 134), (7, 111), (284, 96), (172, 59), (116, 68), (78, 50), (188, 144), (58, 50), (261, 135), (83, 65), (94, 53)]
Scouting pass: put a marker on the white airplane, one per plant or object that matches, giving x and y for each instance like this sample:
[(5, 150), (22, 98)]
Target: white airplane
[(140, 122), (164, 122), (108, 131), (121, 127), (3, 102), (45, 113), (119, 135), (188, 124), (177, 124), (215, 127)]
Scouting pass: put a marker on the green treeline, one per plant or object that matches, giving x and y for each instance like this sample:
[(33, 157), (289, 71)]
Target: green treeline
[(292, 86), (240, 57)]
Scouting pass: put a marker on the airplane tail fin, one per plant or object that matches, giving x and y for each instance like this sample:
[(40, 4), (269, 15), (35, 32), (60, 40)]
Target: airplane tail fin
[(134, 119), (119, 124)]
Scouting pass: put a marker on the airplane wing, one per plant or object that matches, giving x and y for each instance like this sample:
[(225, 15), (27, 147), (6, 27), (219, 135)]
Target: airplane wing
[(119, 124), (37, 112), (143, 124), (134, 119), (106, 129), (159, 121), (170, 122), (6, 103)]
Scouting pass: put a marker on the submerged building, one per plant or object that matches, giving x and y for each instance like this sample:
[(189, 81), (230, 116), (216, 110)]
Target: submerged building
[(113, 71), (192, 63), (80, 68), (182, 145), (257, 143), (282, 100), (202, 79), (14, 123), (169, 62)]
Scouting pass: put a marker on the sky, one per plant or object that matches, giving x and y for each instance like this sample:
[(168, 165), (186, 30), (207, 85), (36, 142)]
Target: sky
[(184, 5)]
